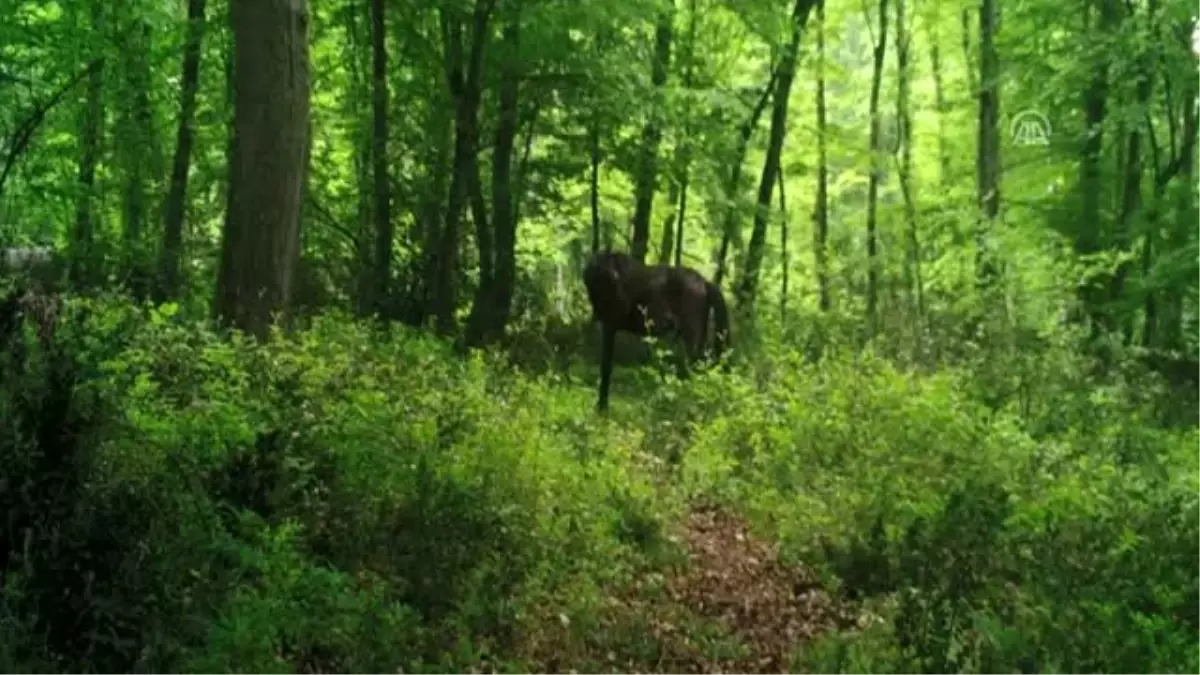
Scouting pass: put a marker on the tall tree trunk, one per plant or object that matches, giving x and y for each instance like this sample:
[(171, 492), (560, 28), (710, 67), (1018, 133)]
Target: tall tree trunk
[(260, 243), (783, 250), (904, 117), (493, 303), (686, 160), (988, 158), (1095, 101), (594, 181), (438, 165), (647, 174), (385, 229), (466, 89), (83, 253), (667, 243), (358, 58), (821, 207), (138, 155), (1181, 165), (522, 176), (734, 185), (939, 98), (170, 254), (880, 51), (1131, 188), (485, 240), (748, 283)]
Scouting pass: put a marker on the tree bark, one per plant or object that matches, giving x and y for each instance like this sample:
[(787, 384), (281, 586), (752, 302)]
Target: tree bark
[(667, 243), (651, 136), (686, 159), (1131, 188), (880, 51), (783, 250), (489, 314), (1182, 166), (904, 116), (466, 90), (170, 255), (83, 263), (748, 284), (987, 168), (138, 156), (1095, 101), (821, 207), (733, 187), (360, 86), (260, 243), (385, 229)]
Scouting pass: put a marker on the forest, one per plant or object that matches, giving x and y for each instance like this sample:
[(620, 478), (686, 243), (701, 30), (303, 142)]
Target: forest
[(303, 361)]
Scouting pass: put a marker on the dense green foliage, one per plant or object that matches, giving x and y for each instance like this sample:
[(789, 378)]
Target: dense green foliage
[(355, 500), (963, 386)]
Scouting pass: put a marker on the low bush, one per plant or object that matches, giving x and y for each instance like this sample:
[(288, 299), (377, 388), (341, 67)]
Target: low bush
[(339, 499)]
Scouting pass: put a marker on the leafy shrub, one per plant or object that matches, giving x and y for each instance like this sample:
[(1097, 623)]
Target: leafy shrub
[(341, 498), (1004, 542)]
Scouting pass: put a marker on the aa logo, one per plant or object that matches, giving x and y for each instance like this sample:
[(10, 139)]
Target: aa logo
[(1029, 127)]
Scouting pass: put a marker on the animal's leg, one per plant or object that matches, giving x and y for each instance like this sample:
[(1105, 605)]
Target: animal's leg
[(682, 357), (607, 340)]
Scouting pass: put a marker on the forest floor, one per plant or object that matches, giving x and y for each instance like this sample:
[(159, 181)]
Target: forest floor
[(733, 607)]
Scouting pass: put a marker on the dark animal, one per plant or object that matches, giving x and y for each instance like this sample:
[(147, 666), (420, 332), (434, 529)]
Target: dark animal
[(655, 300)]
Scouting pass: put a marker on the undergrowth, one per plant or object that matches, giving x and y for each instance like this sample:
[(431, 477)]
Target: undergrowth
[(352, 498)]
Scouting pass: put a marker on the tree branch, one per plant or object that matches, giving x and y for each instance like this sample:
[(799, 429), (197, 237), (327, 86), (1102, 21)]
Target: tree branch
[(18, 142)]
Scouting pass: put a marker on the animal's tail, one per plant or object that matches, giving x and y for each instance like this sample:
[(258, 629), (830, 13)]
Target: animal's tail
[(716, 301)]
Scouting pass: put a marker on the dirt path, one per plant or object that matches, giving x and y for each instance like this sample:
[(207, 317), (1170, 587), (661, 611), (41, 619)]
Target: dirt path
[(734, 608)]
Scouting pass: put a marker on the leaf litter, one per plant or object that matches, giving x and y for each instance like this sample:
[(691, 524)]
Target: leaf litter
[(735, 607)]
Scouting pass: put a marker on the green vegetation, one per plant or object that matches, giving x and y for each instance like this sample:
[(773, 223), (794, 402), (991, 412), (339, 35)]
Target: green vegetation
[(297, 372)]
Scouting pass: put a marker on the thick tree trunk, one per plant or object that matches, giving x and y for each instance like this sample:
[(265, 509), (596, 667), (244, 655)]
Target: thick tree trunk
[(170, 254), (83, 254), (880, 51), (260, 244), (647, 174), (821, 207), (385, 229), (748, 283)]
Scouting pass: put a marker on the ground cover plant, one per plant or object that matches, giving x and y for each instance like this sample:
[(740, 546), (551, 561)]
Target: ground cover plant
[(299, 364)]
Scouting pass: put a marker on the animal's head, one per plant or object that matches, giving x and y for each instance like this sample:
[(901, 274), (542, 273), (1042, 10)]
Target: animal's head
[(605, 277)]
